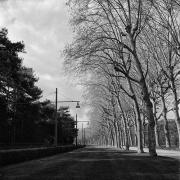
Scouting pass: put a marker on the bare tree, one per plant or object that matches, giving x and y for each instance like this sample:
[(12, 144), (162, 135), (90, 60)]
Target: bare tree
[(114, 27), (163, 41)]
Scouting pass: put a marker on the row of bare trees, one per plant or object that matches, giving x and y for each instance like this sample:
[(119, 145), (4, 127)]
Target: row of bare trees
[(127, 52)]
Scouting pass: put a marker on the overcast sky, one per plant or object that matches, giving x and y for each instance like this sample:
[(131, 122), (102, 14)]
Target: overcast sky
[(44, 28)]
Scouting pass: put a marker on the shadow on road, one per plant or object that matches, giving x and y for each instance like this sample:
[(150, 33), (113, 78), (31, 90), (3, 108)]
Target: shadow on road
[(99, 164)]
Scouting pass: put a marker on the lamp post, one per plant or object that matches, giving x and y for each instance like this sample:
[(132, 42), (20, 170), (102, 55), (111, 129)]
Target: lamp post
[(76, 130), (82, 134), (83, 131), (56, 122)]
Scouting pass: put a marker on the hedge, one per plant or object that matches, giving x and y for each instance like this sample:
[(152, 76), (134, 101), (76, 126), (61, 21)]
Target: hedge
[(19, 155)]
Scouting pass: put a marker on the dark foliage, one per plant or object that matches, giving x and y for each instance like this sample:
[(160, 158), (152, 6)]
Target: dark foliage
[(20, 155), (23, 118)]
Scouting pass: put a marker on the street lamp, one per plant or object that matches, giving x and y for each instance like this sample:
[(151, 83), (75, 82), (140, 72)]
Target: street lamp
[(56, 123), (83, 131), (77, 106)]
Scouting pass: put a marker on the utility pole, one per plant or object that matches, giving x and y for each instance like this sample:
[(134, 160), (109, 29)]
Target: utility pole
[(56, 123), (76, 130), (82, 134)]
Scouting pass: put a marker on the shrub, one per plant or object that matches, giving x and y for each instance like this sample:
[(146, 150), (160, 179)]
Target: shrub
[(19, 155)]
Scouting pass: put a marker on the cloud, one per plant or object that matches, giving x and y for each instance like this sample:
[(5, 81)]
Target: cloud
[(2, 1), (43, 26), (38, 49), (46, 77)]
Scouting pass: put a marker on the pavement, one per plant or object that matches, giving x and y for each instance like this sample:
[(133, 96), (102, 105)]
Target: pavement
[(162, 152), (98, 163)]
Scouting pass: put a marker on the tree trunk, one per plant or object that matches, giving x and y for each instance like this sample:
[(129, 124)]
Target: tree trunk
[(118, 142), (112, 138), (144, 138), (144, 130), (139, 128), (135, 135), (176, 113), (125, 125), (156, 123), (138, 118), (115, 127), (165, 125), (147, 102), (151, 124), (156, 133), (121, 137), (130, 137)]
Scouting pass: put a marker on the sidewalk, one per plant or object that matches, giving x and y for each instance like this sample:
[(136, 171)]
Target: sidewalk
[(162, 152)]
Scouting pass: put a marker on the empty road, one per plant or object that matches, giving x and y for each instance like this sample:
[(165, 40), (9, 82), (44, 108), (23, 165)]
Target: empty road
[(95, 163)]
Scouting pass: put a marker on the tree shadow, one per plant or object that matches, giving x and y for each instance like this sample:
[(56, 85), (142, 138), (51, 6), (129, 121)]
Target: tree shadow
[(109, 164)]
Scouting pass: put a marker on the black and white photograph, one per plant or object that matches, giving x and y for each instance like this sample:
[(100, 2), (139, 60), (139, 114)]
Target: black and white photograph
[(89, 89)]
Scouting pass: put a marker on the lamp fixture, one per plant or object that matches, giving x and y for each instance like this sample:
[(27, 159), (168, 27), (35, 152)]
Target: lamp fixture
[(77, 106)]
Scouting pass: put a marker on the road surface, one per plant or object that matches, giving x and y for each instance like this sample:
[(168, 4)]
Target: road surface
[(96, 163)]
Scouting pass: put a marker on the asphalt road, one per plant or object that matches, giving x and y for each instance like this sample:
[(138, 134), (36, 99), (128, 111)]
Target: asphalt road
[(96, 163)]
